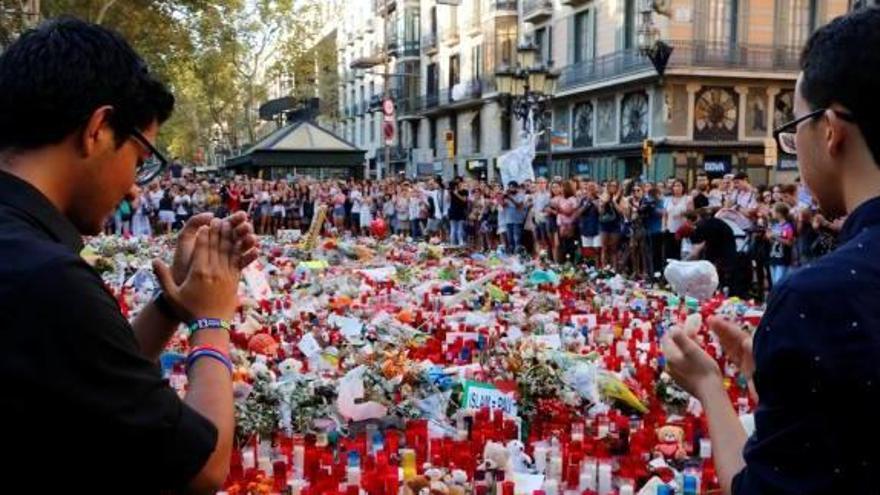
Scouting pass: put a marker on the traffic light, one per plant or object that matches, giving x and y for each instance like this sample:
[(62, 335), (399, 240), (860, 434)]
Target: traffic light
[(450, 144), (648, 152)]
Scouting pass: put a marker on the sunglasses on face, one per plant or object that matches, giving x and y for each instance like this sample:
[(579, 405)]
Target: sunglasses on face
[(786, 134), (153, 165)]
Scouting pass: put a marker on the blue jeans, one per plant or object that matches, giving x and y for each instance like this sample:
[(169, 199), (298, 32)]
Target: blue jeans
[(777, 273), (514, 236), (456, 232)]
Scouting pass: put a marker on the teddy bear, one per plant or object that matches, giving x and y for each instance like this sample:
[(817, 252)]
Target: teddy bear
[(670, 443)]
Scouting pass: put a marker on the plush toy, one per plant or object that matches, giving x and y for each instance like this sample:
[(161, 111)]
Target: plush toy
[(263, 343), (416, 484), (495, 455), (670, 443), (519, 461)]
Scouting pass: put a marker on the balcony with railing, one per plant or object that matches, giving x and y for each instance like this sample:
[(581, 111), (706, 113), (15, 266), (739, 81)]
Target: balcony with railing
[(391, 40), (503, 6), (686, 54), (537, 11), (408, 107), (430, 43), (462, 95), (407, 49)]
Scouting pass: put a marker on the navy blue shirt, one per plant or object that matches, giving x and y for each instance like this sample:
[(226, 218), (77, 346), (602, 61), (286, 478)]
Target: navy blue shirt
[(79, 397), (817, 356), (589, 221)]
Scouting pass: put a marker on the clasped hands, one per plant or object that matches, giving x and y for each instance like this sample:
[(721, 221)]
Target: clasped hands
[(202, 281)]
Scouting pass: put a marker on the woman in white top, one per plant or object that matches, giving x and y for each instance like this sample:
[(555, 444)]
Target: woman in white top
[(415, 213), (357, 201), (182, 206), (676, 206), (401, 204), (140, 222), (366, 215)]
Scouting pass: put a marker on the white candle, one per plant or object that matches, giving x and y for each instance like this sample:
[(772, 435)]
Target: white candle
[(604, 479), (541, 459), (555, 467), (589, 475), (247, 459), (265, 464), (626, 490), (551, 487), (705, 448), (353, 476), (299, 461)]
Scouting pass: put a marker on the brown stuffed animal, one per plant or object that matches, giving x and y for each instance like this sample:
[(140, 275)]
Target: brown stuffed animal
[(670, 443), (416, 484)]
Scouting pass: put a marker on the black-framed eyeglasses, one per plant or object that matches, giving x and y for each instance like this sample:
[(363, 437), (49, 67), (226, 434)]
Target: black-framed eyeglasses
[(786, 134), (152, 166)]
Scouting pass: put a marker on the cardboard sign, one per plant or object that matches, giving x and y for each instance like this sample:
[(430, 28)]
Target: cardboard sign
[(584, 321), (479, 395)]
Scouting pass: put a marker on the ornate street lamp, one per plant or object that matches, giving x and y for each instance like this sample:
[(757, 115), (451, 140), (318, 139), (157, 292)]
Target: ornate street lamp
[(529, 86)]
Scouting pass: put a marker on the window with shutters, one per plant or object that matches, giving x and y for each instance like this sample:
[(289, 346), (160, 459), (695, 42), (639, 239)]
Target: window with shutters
[(718, 21), (795, 21), (582, 42)]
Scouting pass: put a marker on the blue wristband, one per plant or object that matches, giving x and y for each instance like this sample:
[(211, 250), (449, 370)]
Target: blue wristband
[(208, 323), (207, 352)]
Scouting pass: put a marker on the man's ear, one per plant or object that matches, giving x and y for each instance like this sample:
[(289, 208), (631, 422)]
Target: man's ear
[(836, 133), (97, 133)]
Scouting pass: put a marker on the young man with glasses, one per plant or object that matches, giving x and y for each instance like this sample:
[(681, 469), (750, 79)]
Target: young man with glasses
[(79, 112), (814, 357)]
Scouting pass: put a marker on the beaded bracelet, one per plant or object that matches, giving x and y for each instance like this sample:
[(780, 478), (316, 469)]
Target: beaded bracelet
[(210, 352)]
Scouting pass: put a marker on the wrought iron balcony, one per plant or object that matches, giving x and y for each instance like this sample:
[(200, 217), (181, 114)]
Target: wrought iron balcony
[(686, 54), (537, 11), (461, 95), (429, 43), (407, 49), (503, 6)]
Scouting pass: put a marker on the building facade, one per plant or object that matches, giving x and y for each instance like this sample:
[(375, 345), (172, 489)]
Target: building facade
[(729, 81)]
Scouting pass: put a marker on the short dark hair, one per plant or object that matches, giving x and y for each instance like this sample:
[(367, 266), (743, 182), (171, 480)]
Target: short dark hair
[(741, 176), (53, 77), (841, 64)]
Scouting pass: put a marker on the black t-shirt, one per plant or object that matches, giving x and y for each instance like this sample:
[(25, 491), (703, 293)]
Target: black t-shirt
[(701, 201), (458, 206), (720, 242), (165, 202), (81, 404)]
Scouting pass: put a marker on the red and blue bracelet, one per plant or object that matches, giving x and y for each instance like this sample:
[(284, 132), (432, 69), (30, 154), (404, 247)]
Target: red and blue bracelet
[(207, 351)]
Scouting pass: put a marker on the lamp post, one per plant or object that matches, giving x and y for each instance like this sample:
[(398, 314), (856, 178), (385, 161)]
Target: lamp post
[(650, 44), (529, 88)]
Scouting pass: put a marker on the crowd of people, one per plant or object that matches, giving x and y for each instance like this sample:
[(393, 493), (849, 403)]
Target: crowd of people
[(754, 235)]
